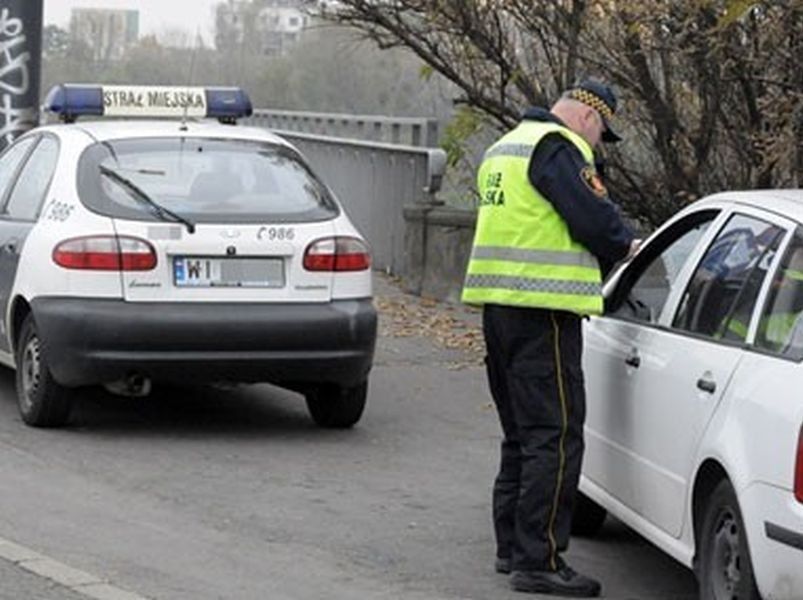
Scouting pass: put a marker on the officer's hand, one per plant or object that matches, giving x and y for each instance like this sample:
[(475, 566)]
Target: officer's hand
[(634, 247)]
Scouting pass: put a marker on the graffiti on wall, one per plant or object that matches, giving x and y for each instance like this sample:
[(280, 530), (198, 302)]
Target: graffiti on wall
[(15, 79)]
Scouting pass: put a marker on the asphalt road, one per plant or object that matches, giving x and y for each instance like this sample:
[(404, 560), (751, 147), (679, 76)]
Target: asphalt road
[(231, 493)]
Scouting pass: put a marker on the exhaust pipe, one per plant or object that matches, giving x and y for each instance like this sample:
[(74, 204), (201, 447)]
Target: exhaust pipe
[(134, 385)]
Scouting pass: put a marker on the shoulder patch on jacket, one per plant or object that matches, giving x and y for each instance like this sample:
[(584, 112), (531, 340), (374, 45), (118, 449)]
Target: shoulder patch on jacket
[(593, 181)]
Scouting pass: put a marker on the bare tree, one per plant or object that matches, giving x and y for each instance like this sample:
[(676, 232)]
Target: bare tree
[(712, 91)]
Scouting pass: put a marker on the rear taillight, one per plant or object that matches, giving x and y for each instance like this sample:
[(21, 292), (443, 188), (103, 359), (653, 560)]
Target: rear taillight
[(799, 468), (337, 254), (105, 253)]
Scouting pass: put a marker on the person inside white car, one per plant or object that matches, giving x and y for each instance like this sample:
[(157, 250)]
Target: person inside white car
[(781, 327)]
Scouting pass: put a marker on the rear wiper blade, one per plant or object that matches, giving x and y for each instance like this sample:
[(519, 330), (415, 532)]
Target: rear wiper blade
[(139, 194)]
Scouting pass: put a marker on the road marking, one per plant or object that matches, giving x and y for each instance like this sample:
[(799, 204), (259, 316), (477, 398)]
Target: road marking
[(78, 581)]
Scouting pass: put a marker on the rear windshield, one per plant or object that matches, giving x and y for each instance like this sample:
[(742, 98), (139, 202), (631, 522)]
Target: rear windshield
[(204, 180)]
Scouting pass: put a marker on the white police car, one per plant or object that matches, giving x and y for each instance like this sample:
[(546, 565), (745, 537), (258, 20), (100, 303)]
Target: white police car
[(694, 433), (184, 250)]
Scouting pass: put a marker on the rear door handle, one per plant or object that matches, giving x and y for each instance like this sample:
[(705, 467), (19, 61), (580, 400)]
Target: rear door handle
[(633, 359), (10, 247), (707, 384)]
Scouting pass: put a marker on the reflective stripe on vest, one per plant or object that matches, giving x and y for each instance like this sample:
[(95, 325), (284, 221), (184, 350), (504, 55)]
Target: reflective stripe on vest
[(549, 257), (526, 284), (519, 150), (523, 253)]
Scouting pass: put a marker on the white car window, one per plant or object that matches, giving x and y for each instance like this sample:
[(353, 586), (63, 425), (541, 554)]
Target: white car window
[(781, 326), (33, 181), (647, 296), (721, 295), (205, 180), (10, 162)]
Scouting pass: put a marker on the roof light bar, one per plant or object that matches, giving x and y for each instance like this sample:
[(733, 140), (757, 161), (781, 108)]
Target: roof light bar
[(70, 101)]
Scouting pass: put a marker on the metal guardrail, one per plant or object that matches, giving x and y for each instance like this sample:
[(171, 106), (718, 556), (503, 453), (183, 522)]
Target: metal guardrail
[(374, 181), (410, 131)]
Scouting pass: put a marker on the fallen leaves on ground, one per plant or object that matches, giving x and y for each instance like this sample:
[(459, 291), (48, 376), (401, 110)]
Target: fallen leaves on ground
[(410, 316)]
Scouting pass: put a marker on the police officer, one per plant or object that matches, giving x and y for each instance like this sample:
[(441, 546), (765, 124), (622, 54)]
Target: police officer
[(546, 231)]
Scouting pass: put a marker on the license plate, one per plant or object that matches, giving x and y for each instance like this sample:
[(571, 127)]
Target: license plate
[(199, 271)]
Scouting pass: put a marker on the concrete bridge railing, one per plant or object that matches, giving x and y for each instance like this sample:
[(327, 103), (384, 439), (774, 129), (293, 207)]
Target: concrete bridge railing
[(408, 131)]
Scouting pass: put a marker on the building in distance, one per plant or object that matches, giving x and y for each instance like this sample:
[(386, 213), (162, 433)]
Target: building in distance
[(107, 32), (267, 27)]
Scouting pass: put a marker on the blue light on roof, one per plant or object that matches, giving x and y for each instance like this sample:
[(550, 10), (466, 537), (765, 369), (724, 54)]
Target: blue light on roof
[(70, 101), (227, 103)]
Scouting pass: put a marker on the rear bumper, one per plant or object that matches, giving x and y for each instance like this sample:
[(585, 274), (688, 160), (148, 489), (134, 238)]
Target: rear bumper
[(91, 341), (774, 522)]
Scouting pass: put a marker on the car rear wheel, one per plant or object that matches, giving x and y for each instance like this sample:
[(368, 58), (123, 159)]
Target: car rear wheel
[(42, 401), (337, 407), (588, 516), (726, 572)]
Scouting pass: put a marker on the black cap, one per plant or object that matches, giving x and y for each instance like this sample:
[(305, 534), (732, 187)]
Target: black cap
[(601, 98)]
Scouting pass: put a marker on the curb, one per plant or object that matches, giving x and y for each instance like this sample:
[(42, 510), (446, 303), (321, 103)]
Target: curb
[(80, 582)]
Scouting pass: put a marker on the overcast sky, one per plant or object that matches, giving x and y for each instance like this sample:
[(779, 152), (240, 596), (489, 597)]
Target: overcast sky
[(155, 16)]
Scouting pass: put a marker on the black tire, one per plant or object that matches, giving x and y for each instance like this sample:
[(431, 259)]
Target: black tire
[(587, 517), (725, 570), (336, 407), (42, 401)]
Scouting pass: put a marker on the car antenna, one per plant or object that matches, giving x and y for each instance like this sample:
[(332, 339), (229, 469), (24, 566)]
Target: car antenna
[(183, 126)]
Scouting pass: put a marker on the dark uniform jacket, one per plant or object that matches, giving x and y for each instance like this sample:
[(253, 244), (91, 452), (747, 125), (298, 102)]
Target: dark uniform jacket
[(593, 220)]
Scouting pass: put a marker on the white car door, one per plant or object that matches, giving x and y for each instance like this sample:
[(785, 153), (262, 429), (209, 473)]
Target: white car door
[(614, 352), (678, 362), (686, 367), (12, 233), (686, 364)]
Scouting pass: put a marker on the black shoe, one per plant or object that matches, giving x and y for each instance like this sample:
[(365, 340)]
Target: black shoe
[(563, 582), (502, 565)]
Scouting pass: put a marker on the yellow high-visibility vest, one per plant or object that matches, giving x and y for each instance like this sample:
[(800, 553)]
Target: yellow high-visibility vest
[(523, 254)]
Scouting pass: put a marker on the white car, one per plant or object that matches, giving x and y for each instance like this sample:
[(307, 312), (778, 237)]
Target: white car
[(184, 250), (693, 430)]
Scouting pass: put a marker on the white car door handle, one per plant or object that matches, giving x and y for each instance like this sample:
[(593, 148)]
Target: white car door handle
[(633, 359), (707, 385), (10, 246)]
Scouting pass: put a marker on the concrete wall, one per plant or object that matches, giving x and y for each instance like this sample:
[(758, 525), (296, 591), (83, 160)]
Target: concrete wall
[(438, 244)]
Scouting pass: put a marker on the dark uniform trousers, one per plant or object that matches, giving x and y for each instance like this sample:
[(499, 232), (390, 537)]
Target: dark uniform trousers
[(535, 375)]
